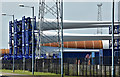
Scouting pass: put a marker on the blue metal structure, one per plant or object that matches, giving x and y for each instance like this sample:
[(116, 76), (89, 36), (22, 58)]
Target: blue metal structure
[(22, 38), (15, 38), (10, 38), (19, 38), (27, 36)]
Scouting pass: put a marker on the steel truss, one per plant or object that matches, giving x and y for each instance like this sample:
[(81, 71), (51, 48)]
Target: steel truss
[(20, 40), (52, 11)]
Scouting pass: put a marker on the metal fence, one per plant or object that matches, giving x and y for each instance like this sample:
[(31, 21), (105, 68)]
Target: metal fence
[(97, 66)]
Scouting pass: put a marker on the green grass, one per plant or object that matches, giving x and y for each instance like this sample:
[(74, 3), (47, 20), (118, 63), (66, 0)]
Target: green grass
[(35, 73), (26, 72)]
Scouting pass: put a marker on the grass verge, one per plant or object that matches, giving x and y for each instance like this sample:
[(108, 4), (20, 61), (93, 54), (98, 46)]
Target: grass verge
[(26, 72), (35, 73)]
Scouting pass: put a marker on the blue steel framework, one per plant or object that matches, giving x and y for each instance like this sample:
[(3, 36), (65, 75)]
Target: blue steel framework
[(19, 38), (22, 38), (10, 38), (23, 32), (26, 37), (15, 38)]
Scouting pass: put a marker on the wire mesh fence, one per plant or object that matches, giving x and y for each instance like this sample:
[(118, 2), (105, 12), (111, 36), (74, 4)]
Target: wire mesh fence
[(97, 66)]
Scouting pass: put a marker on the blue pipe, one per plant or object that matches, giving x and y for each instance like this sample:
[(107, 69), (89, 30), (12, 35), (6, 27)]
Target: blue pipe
[(23, 36), (10, 38)]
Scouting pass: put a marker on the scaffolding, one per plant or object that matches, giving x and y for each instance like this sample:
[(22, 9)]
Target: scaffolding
[(20, 40), (49, 15)]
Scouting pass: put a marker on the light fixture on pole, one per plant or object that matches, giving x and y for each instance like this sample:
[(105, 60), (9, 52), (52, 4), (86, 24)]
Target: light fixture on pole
[(32, 7), (4, 14), (113, 70), (21, 5)]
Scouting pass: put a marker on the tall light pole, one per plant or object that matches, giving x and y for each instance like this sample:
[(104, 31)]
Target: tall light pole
[(32, 7), (113, 72), (4, 14), (62, 38)]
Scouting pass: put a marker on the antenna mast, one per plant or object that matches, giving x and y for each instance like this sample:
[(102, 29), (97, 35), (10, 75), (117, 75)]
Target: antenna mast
[(99, 18)]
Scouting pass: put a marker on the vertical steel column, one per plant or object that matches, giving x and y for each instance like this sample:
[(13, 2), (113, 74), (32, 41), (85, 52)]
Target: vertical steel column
[(15, 42), (15, 38), (113, 73), (39, 46), (20, 38), (57, 6), (27, 37), (42, 10), (33, 41), (61, 38), (23, 36), (13, 50), (41, 24), (10, 38), (23, 40)]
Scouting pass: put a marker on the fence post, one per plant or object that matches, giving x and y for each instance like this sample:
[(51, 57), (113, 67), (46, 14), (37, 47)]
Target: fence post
[(56, 65), (77, 65), (93, 68), (86, 65), (96, 70), (110, 70), (48, 64), (68, 67), (119, 69), (105, 70), (83, 70), (52, 66), (90, 67), (101, 65), (114, 70)]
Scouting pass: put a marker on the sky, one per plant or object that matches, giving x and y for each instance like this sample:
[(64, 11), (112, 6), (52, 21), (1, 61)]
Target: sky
[(81, 11)]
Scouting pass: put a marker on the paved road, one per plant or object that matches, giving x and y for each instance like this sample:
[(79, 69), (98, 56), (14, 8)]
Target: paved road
[(12, 75)]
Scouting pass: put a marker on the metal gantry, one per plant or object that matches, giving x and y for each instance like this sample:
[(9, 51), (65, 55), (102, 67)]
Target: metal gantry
[(54, 11), (10, 38), (20, 40), (20, 32), (51, 10)]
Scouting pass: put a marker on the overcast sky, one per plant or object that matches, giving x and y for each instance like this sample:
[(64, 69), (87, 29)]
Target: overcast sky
[(82, 11)]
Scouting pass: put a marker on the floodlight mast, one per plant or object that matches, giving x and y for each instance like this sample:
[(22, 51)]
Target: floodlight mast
[(4, 14), (32, 7), (113, 72)]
